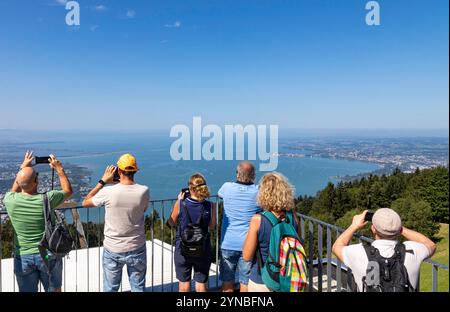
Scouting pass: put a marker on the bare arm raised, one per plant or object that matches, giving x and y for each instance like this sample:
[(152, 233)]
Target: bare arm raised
[(345, 238), (419, 238), (108, 177), (27, 162), (63, 180)]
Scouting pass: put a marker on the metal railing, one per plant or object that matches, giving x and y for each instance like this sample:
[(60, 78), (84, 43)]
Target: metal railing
[(314, 232), (318, 257), (159, 236)]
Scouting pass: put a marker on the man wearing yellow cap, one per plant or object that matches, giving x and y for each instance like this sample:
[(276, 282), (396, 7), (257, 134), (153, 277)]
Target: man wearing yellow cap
[(125, 204)]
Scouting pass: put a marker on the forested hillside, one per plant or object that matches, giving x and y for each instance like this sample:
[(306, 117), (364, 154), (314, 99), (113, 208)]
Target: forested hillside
[(421, 199)]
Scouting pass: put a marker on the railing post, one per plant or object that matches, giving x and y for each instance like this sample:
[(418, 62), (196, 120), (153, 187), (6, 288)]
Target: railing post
[(418, 283), (171, 257), (162, 245), (319, 258), (153, 242), (13, 255), (329, 265), (311, 255), (217, 242), (99, 246), (349, 280), (1, 253), (76, 269), (434, 277), (338, 269), (64, 270), (87, 250), (302, 227)]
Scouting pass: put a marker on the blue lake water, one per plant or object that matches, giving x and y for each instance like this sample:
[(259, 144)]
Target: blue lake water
[(164, 176)]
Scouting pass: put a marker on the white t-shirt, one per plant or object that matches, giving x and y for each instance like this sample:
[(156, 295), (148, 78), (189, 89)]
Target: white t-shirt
[(124, 215), (355, 258)]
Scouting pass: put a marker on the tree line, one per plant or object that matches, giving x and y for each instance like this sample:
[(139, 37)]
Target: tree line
[(421, 199)]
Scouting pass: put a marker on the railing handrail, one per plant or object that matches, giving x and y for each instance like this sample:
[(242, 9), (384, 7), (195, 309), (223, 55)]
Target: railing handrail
[(152, 201), (158, 231)]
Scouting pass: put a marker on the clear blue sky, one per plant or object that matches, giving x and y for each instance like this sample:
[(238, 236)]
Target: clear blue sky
[(153, 64)]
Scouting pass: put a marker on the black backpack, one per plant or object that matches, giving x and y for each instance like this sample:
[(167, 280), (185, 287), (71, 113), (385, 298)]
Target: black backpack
[(193, 240), (386, 274), (56, 238)]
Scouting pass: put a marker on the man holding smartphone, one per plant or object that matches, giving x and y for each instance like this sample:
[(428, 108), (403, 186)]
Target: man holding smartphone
[(381, 266), (25, 209), (124, 244)]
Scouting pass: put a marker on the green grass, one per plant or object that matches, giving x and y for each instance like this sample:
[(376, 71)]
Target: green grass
[(441, 256)]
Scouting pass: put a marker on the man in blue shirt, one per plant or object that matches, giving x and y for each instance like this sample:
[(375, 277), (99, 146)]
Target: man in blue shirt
[(239, 201)]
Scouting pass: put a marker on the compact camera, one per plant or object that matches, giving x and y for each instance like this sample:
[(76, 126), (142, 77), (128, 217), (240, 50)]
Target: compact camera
[(186, 192)]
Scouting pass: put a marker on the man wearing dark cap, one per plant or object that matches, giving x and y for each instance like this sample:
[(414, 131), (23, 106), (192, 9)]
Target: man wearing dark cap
[(387, 229)]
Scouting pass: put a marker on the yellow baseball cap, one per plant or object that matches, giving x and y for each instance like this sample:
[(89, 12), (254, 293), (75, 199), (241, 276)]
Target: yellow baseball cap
[(127, 162)]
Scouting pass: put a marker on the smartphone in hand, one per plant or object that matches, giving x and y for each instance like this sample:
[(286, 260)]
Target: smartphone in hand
[(116, 177), (41, 160), (369, 216)]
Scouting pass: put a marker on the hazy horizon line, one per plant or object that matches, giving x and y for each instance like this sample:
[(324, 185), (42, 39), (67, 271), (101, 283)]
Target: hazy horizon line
[(164, 129), (283, 132)]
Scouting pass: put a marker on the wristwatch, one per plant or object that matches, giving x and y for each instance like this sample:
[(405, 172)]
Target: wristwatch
[(101, 182)]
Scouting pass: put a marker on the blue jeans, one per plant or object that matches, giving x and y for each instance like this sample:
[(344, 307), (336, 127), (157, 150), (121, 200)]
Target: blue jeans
[(136, 261), (31, 269), (229, 262)]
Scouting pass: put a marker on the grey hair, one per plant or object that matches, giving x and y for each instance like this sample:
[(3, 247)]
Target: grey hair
[(246, 172)]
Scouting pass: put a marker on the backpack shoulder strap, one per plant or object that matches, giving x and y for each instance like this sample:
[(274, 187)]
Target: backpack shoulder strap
[(259, 261), (43, 244), (273, 221), (400, 250), (269, 216), (371, 252), (372, 255), (46, 209), (291, 218), (202, 213), (186, 211)]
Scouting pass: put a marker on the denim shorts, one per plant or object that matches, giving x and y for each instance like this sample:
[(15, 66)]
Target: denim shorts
[(229, 262), (31, 269), (185, 265)]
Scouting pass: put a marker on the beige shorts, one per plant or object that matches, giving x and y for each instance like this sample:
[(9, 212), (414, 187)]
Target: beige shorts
[(254, 287)]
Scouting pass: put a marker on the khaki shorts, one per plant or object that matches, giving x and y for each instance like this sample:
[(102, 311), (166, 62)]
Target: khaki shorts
[(254, 287)]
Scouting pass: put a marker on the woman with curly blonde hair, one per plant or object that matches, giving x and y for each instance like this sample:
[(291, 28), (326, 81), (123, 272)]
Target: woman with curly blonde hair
[(275, 195), (193, 206)]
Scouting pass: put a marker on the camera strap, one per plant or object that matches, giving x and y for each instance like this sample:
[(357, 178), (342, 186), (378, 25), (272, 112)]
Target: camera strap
[(53, 177)]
